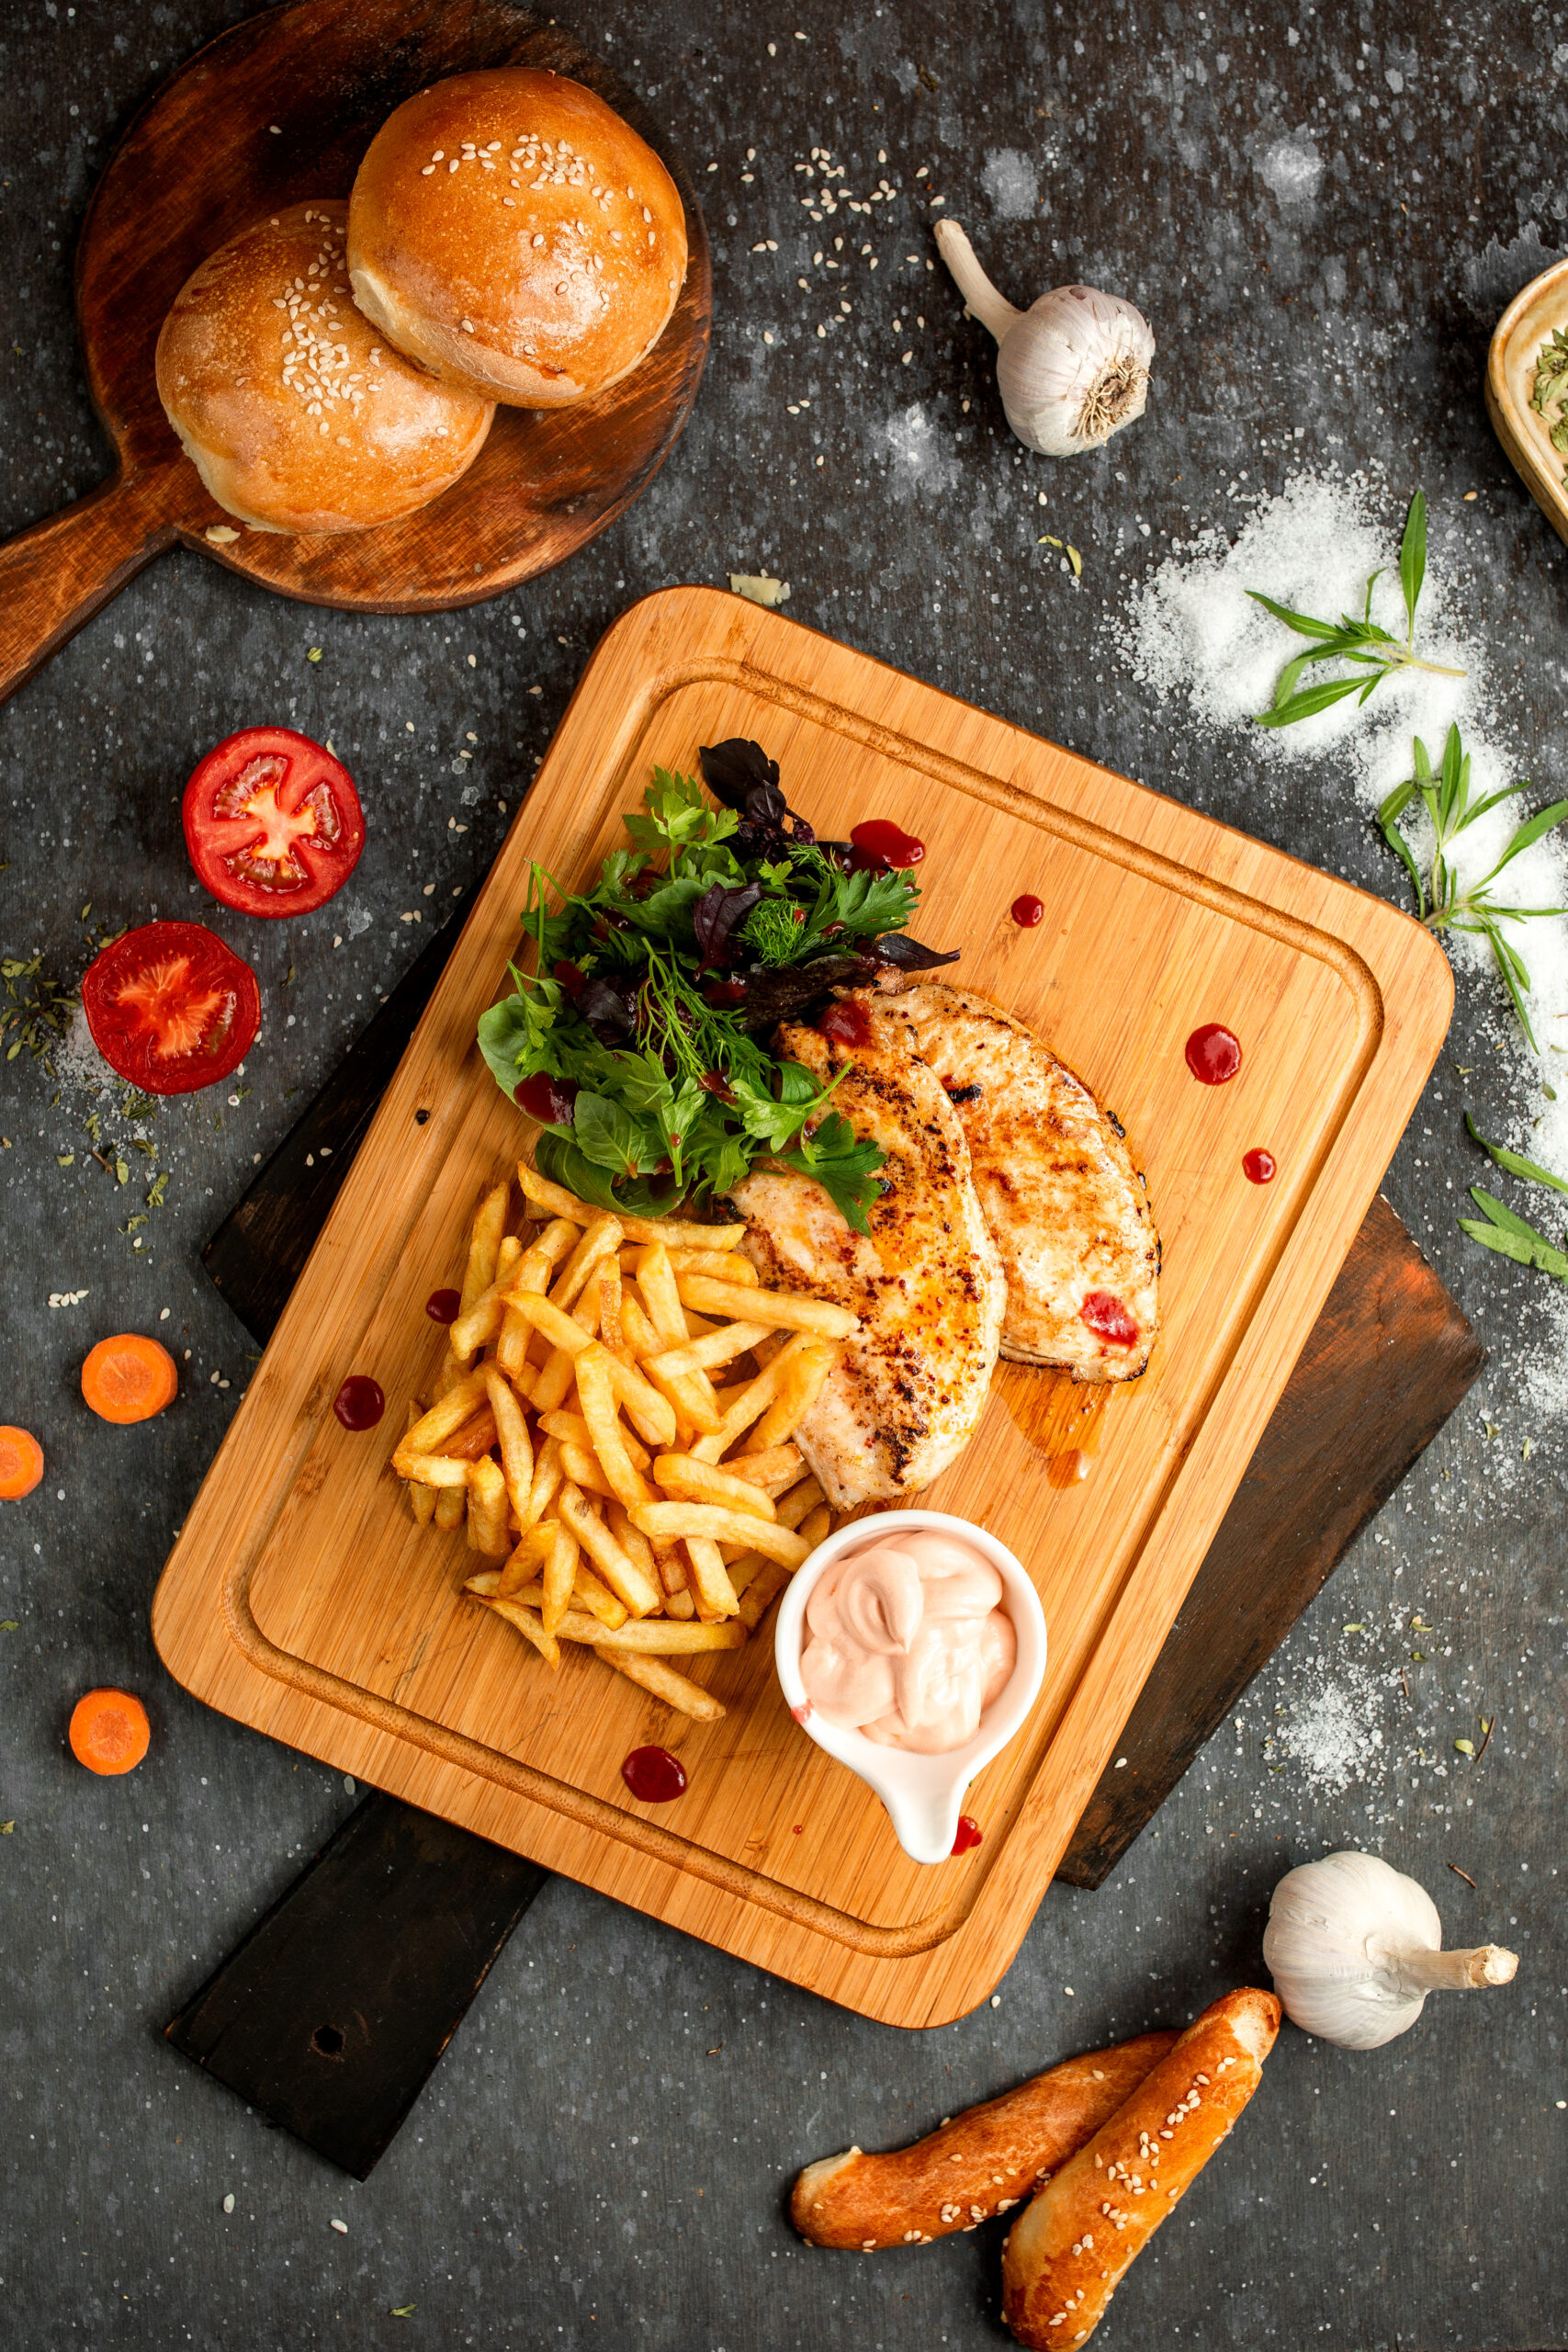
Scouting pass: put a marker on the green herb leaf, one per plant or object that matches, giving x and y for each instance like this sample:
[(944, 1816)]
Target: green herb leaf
[(1515, 1162), (1413, 558)]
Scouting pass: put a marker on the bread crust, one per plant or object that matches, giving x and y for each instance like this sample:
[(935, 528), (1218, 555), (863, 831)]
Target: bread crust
[(293, 409), (509, 232), (1067, 2252), (979, 2164)]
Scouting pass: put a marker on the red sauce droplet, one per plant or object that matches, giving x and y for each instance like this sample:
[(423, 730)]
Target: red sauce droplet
[(653, 1775), (548, 1100), (969, 1833), (1213, 1054), (882, 847), (1028, 910), (443, 1305), (1068, 1469), (1259, 1167), (359, 1403), (1108, 1320), (848, 1022)]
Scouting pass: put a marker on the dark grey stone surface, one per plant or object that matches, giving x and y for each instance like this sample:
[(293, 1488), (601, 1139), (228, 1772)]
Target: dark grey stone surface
[(603, 2154)]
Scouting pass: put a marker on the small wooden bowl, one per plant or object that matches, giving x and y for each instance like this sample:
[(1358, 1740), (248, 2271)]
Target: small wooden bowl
[(1525, 325)]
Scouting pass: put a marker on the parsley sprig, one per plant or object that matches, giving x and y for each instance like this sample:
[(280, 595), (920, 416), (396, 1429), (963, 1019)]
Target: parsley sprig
[(1443, 901), (1373, 653), (651, 994), (1502, 1230)]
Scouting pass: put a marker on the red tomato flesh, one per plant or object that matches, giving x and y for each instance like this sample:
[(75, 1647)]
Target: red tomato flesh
[(273, 822), (170, 1008)]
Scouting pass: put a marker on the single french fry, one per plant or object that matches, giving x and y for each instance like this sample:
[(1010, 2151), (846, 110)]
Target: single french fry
[(478, 1325), (792, 1509), (589, 1591), (447, 1470), (817, 1523), (692, 1481), (563, 1331), (601, 1239), (800, 1385), (688, 1698), (680, 1604), (782, 1310), (584, 1468), (520, 1566), (775, 1470), (711, 1591), (572, 1430), (632, 1540), (596, 1392), (650, 1414), (609, 1295), (547, 1476), (476, 1437), (656, 1281), (631, 1585), (516, 1445), (421, 1498), (484, 1246), (448, 1413), (452, 1506), (550, 1248), (761, 1591), (653, 1635), (731, 1339), (661, 1521), (528, 1623), (487, 1509), (636, 1330), (485, 1584), (560, 1575)]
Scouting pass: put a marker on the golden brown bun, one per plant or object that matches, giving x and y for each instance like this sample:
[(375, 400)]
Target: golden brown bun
[(291, 405), (509, 232)]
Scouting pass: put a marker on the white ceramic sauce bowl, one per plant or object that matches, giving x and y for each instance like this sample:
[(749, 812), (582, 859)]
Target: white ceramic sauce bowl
[(922, 1793)]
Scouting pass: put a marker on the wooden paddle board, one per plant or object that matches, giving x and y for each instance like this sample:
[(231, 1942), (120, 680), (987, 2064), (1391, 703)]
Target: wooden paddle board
[(302, 1598)]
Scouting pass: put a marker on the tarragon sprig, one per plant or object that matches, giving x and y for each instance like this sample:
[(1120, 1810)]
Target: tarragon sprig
[(1444, 902), (1505, 1232), (1367, 647)]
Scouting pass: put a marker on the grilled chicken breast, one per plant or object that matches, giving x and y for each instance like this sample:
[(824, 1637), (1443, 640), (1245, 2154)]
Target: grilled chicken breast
[(926, 1280), (1069, 1210)]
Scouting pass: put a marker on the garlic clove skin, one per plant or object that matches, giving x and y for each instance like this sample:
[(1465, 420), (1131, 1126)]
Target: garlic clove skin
[(1354, 1948), (1074, 370)]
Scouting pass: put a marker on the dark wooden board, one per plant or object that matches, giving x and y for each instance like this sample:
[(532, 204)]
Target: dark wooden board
[(200, 160), (329, 2015)]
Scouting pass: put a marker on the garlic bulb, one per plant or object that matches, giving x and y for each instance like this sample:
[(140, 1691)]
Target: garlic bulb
[(1072, 370), (1354, 1948)]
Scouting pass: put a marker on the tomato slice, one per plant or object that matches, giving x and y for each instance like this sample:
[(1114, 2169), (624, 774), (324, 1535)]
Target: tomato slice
[(273, 822), (170, 1008)]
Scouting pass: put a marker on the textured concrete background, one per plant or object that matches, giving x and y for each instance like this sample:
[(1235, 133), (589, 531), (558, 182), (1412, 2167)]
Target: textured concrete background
[(602, 2156)]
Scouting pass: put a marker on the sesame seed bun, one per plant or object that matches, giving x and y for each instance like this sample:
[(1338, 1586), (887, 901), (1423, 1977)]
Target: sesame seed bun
[(509, 232), (291, 405)]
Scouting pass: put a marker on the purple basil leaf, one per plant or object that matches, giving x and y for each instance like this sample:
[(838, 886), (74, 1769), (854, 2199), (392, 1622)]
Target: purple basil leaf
[(610, 1011), (776, 995), (906, 955), (716, 914), (734, 769)]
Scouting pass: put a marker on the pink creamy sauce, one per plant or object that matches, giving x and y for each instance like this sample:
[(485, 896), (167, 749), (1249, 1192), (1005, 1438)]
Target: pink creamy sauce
[(908, 1642)]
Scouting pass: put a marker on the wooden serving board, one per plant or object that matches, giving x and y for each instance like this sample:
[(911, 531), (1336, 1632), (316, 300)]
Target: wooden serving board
[(275, 111), (302, 1597)]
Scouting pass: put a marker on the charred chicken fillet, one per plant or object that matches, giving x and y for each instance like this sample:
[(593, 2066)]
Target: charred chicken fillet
[(1069, 1210), (926, 1281)]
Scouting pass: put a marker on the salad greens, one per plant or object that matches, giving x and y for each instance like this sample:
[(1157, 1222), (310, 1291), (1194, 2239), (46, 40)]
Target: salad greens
[(638, 1038)]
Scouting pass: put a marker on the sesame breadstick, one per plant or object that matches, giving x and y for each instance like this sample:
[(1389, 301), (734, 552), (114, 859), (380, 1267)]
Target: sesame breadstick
[(980, 2163), (1065, 2254)]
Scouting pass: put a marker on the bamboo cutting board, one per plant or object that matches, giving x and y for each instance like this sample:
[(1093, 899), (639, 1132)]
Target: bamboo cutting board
[(302, 1598)]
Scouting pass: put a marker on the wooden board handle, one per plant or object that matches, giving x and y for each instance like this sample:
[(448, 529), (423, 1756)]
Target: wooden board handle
[(56, 574)]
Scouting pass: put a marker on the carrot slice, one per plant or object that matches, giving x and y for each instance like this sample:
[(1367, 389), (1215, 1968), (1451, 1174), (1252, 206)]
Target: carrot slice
[(128, 1378), (109, 1731), (21, 1464)]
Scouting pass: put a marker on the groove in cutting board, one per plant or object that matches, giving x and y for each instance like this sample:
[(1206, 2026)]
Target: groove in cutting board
[(302, 1597)]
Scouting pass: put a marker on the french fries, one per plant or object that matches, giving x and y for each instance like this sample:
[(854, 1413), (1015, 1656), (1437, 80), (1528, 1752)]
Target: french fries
[(616, 1500)]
